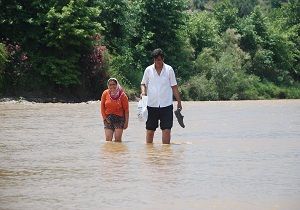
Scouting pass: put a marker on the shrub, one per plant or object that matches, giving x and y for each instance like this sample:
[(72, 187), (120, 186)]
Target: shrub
[(198, 88)]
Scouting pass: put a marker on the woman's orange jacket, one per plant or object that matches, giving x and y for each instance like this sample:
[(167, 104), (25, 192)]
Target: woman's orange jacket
[(109, 106)]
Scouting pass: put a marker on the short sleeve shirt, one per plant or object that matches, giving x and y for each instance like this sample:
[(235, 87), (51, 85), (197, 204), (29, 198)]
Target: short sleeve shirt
[(159, 87)]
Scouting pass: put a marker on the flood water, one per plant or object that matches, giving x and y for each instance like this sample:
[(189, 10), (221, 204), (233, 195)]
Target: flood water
[(231, 155)]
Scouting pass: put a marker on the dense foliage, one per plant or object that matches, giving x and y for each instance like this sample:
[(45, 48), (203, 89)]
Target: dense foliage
[(219, 49)]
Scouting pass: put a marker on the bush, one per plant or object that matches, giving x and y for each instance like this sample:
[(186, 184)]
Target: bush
[(293, 92), (205, 62), (198, 88), (3, 57), (3, 60), (268, 90)]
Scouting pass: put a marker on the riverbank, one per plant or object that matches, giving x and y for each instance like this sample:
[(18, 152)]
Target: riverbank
[(54, 99), (76, 100), (59, 98), (43, 99)]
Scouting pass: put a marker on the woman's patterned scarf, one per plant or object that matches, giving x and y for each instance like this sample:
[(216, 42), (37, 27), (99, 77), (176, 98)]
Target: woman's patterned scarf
[(119, 91)]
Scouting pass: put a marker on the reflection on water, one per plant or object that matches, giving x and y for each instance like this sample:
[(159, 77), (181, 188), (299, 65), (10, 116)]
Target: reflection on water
[(114, 148), (161, 155), (231, 155)]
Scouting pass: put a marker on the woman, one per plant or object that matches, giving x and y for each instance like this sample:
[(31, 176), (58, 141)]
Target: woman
[(114, 110)]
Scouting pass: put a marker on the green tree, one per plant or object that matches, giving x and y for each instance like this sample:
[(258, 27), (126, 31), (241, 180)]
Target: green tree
[(244, 7), (3, 57), (162, 22), (278, 3), (199, 88), (55, 36), (291, 26), (259, 22), (250, 41), (3, 61), (205, 62), (128, 62), (226, 14), (222, 71), (224, 80), (292, 12), (68, 33), (198, 4), (163, 19), (275, 52), (268, 46), (263, 64), (254, 31), (114, 18), (202, 31), (18, 32), (229, 71)]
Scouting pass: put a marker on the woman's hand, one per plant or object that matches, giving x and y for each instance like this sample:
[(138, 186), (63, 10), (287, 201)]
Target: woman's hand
[(107, 120), (125, 125)]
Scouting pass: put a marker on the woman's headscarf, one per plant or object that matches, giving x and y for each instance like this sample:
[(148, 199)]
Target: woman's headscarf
[(119, 90)]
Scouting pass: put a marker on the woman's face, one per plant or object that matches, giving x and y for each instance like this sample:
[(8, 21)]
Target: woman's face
[(112, 85)]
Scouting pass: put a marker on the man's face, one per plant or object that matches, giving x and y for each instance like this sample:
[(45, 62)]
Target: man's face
[(158, 61)]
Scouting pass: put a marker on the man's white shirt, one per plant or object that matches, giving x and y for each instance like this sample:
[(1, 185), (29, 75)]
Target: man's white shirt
[(159, 87)]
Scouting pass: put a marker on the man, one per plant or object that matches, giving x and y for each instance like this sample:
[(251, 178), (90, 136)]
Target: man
[(159, 84)]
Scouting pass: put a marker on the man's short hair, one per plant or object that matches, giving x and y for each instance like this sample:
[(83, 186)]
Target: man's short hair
[(157, 52)]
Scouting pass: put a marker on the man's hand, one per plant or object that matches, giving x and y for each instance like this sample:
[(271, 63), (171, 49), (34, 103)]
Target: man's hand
[(143, 94), (143, 90), (179, 106)]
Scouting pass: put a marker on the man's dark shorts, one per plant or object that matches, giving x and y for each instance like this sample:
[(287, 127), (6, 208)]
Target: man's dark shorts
[(162, 114)]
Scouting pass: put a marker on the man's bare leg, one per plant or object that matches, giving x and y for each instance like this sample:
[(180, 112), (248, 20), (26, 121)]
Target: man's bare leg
[(166, 136), (149, 136)]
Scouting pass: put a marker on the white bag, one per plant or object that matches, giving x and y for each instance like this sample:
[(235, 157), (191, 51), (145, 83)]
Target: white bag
[(142, 111)]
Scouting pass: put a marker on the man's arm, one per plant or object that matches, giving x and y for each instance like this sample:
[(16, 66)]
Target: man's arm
[(177, 96), (143, 90)]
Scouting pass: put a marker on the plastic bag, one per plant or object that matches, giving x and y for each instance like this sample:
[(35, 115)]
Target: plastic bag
[(142, 111)]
